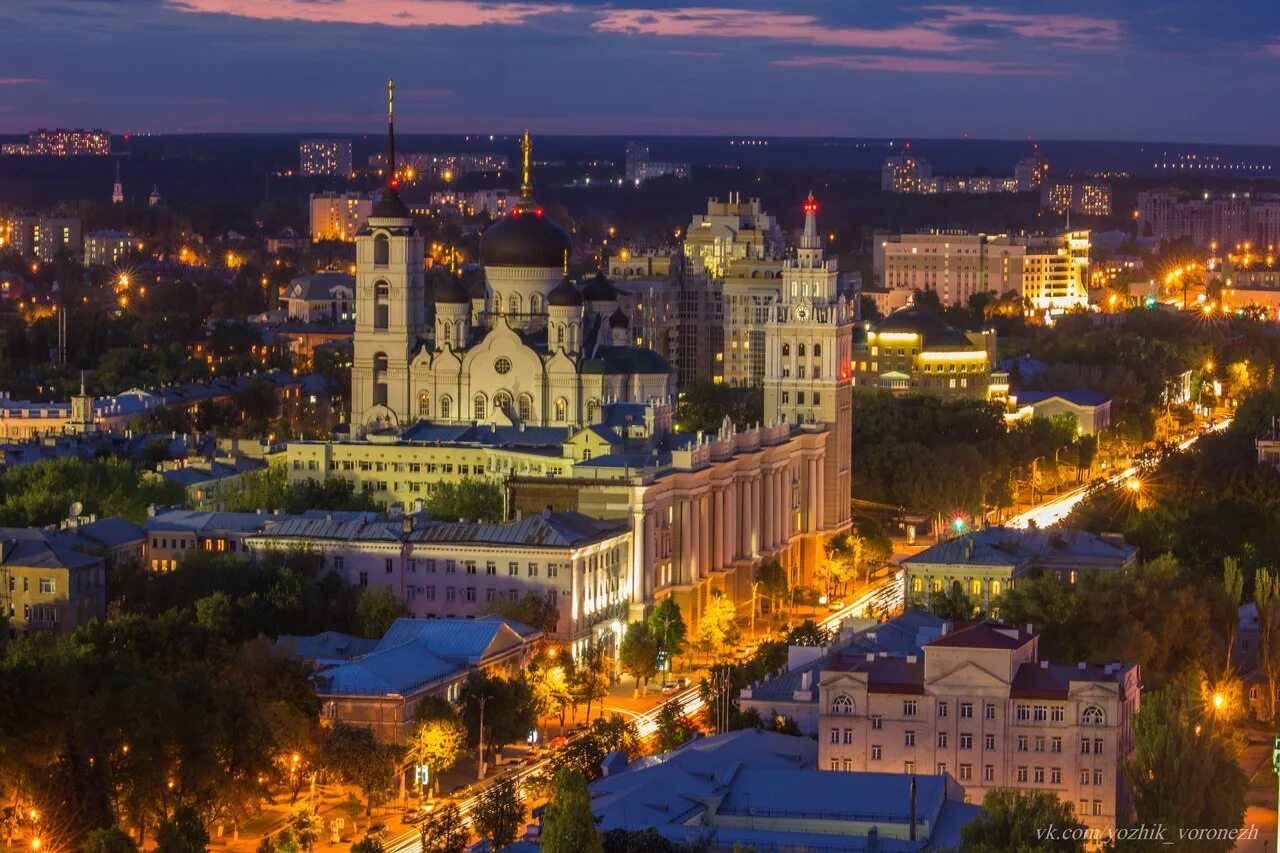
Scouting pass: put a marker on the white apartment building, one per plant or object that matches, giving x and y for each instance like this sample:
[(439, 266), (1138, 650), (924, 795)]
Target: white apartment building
[(1215, 221), (325, 157), (108, 248), (338, 216), (978, 703), (44, 237)]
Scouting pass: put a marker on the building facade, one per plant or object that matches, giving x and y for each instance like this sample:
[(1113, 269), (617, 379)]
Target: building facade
[(325, 157), (45, 237), (979, 703), (109, 248), (327, 297), (338, 216), (1225, 221), (47, 583), (915, 352)]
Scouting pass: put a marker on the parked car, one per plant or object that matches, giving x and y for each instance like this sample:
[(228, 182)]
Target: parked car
[(668, 688)]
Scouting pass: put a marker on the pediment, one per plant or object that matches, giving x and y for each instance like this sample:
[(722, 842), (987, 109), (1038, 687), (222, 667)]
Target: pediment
[(967, 675)]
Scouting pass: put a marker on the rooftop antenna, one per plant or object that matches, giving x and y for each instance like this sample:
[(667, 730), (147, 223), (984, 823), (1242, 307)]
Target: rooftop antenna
[(526, 180), (392, 181)]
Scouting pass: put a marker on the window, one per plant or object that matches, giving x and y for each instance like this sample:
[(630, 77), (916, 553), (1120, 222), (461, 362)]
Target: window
[(1057, 715), (835, 764), (1097, 777), (1022, 743), (477, 407), (1084, 746), (364, 579), (381, 250), (875, 752), (988, 773), (446, 408), (471, 593), (817, 350), (533, 570), (908, 767), (942, 767), (786, 349), (424, 404), (389, 565), (1023, 713), (1055, 776), (800, 349), (1055, 745), (1039, 744), (48, 586), (966, 741), (989, 741), (876, 721), (1097, 746), (842, 705), (431, 593), (908, 738), (1022, 774), (561, 409), (1097, 807), (491, 568), (1084, 777), (1092, 716), (1040, 714), (471, 566), (848, 737), (514, 303), (450, 567), (908, 707), (966, 710), (525, 407), (835, 735), (502, 366), (381, 308), (513, 569), (989, 711), (450, 593), (942, 740), (966, 772), (942, 709)]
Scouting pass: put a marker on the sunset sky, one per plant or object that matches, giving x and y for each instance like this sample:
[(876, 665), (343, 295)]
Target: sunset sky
[(1096, 69)]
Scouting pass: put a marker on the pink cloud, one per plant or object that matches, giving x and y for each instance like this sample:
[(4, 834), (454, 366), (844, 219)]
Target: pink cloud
[(18, 81), (1078, 31), (712, 22), (911, 65), (1272, 49), (393, 13)]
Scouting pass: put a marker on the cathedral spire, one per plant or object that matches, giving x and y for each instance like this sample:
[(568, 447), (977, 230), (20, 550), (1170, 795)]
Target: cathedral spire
[(392, 181), (526, 181)]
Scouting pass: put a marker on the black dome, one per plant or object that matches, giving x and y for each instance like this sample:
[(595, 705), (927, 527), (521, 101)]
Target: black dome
[(600, 290), (931, 328), (618, 320), (451, 293), (564, 294), (524, 238), (390, 207), (478, 289)]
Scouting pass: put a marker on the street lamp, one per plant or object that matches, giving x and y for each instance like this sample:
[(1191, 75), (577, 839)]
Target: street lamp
[(1133, 484)]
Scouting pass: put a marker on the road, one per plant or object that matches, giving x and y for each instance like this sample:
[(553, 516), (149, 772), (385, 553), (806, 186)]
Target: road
[(1053, 511)]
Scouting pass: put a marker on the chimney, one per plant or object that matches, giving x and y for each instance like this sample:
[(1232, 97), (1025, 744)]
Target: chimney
[(1080, 665), (1044, 664), (871, 656), (912, 659), (1030, 628)]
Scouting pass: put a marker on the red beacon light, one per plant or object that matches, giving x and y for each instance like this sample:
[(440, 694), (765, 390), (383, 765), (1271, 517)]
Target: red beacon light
[(810, 206)]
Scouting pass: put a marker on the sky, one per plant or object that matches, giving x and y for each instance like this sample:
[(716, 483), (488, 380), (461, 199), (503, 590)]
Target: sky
[(1169, 70)]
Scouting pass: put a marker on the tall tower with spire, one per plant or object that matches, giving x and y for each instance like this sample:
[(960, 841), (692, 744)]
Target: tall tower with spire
[(391, 323), (117, 192), (808, 365)]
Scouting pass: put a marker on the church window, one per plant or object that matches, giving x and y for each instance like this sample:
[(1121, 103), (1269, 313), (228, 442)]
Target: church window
[(497, 304), (801, 350), (535, 304), (817, 351), (502, 366), (560, 334), (502, 400), (424, 404), (786, 349), (513, 304), (592, 406), (477, 407), (526, 407), (447, 328), (381, 250), (446, 407), (561, 409), (380, 379), (381, 304)]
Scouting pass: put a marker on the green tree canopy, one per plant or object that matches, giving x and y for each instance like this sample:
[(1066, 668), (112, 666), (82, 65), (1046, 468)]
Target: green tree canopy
[(568, 825), (1017, 821)]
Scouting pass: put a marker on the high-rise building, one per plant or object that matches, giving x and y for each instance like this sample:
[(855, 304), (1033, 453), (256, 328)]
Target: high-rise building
[(338, 216), (1030, 172), (906, 173), (44, 237), (1225, 221), (637, 153), (63, 142), (325, 157), (1049, 272), (108, 248), (639, 168), (1086, 197), (807, 338)]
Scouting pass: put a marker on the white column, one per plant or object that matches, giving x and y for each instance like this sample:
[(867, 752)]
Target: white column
[(684, 558), (575, 595), (698, 531), (822, 495), (708, 534), (755, 513), (717, 529), (639, 545), (770, 510), (811, 511)]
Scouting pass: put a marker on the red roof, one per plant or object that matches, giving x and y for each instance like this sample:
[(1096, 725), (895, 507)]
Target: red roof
[(984, 635)]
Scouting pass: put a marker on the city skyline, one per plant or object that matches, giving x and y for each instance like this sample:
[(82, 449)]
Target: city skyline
[(1150, 71)]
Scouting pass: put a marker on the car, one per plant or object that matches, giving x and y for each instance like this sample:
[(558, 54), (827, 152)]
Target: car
[(835, 605), (668, 688), (418, 815), (683, 681), (377, 830)]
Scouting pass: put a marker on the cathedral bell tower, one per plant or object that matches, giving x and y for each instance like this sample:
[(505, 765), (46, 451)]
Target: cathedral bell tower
[(390, 304)]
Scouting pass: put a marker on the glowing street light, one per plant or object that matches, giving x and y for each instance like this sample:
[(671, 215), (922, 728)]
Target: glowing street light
[(1133, 484), (1219, 701)]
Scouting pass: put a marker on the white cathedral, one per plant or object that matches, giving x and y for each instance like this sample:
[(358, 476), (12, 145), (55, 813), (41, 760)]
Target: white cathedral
[(526, 347)]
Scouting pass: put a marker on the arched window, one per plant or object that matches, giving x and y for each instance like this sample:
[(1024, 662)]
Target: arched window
[(424, 404), (935, 585), (381, 250), (380, 379), (446, 407), (513, 304), (502, 400), (477, 407), (497, 304), (560, 334), (561, 408), (526, 407), (996, 587), (786, 349), (1092, 716), (381, 304), (975, 587), (817, 350), (448, 332), (535, 304), (842, 705), (592, 406), (801, 350)]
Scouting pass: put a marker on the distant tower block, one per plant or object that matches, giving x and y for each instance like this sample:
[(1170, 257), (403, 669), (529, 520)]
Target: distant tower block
[(117, 192), (154, 199)]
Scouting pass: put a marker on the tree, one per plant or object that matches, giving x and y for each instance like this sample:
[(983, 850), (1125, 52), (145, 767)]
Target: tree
[(499, 814), (1181, 774), (844, 560), (647, 840), (567, 824), (808, 633), (668, 626), (445, 831), (305, 825), (506, 706), (951, 603), (638, 654), (1266, 594), (111, 839), (367, 845), (1014, 822), (718, 628), (772, 582), (674, 728), (704, 405), (376, 610), (437, 744), (184, 832), (1233, 592), (471, 498), (358, 758), (533, 609), (591, 679)]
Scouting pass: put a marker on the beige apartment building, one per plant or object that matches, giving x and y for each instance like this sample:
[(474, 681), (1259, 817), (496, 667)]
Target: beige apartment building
[(980, 704), (338, 216), (916, 352), (1050, 273), (47, 583)]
